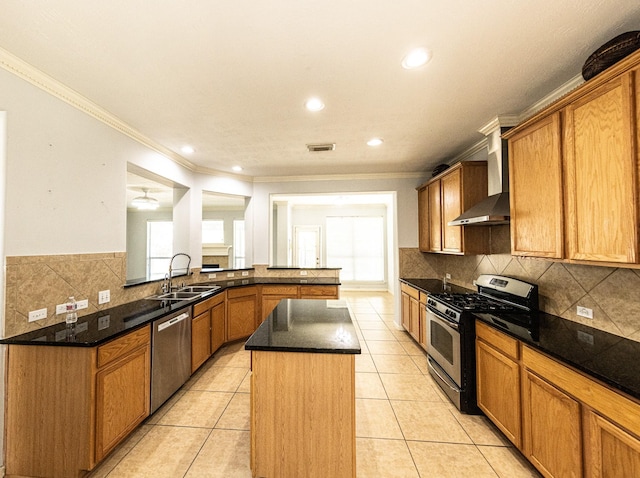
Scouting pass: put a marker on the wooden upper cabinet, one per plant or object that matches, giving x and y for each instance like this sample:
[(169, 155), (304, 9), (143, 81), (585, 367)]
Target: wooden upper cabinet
[(584, 145), (451, 209), (535, 184), (601, 185), (447, 196), (434, 220), (423, 219)]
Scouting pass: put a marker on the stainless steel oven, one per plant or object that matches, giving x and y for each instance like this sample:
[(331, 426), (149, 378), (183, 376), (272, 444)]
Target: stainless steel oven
[(448, 354), (443, 345), (450, 331)]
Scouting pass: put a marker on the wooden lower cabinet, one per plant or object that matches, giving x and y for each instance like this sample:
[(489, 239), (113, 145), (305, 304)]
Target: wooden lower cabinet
[(218, 322), (422, 325), (241, 312), (200, 339), (319, 292), (122, 398), (552, 434), (571, 424), (273, 294), (498, 381), (81, 402), (207, 329), (411, 311), (611, 451), (302, 415)]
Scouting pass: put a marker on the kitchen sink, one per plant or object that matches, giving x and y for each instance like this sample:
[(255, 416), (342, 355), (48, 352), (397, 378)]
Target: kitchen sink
[(199, 288), (186, 293), (179, 295)]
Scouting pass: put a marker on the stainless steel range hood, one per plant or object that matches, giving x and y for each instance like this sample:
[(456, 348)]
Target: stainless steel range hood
[(493, 210)]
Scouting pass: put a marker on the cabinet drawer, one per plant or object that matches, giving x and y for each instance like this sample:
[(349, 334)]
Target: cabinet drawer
[(123, 345), (241, 292), (207, 304), (500, 341), (320, 291), (407, 289), (288, 290)]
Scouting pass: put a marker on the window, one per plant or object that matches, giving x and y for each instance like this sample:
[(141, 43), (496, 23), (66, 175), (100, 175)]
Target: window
[(159, 248), (238, 244), (356, 244), (213, 231)]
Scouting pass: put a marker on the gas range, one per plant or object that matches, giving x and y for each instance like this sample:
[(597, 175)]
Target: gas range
[(450, 330)]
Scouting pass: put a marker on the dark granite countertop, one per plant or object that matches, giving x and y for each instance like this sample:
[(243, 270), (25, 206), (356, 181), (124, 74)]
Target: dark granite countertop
[(316, 326), (100, 327), (435, 286)]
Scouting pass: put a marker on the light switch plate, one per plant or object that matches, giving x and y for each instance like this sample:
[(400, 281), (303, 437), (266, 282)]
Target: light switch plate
[(245, 273), (230, 274), (303, 273), (82, 304)]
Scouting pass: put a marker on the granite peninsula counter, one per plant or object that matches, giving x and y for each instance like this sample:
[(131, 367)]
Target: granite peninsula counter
[(303, 391)]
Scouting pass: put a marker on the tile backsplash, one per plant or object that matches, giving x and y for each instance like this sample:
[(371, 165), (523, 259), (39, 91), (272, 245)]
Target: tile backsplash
[(612, 293), (37, 282)]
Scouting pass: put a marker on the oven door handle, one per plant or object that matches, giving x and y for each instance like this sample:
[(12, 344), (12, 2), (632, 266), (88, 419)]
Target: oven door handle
[(434, 369), (448, 322)]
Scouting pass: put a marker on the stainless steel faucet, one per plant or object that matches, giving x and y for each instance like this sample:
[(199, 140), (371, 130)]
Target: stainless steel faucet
[(171, 267)]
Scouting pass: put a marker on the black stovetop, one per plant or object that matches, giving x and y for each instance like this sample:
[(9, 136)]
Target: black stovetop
[(472, 302)]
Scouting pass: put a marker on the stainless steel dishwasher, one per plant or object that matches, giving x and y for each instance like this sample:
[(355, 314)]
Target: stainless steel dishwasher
[(170, 355)]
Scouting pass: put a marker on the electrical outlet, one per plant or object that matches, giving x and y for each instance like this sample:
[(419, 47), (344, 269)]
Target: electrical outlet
[(303, 273), (212, 276), (448, 276), (245, 273), (230, 274), (37, 314), (104, 296), (82, 304), (584, 312)]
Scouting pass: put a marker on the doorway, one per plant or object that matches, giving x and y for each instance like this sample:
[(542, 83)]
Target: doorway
[(306, 246)]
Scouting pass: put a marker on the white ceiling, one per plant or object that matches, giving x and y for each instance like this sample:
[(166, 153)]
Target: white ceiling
[(231, 77)]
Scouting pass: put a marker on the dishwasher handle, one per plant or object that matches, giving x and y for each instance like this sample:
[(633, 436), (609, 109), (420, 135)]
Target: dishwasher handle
[(173, 321)]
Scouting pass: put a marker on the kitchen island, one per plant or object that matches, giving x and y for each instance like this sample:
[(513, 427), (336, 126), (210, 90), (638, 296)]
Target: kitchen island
[(303, 391)]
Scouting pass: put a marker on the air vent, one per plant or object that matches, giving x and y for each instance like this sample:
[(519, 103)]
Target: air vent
[(316, 148)]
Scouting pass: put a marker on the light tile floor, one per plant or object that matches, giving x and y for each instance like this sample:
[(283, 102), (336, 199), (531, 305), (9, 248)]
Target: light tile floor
[(405, 426)]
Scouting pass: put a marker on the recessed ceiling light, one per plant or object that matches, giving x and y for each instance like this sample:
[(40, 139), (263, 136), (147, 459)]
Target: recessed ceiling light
[(416, 58), (375, 141), (314, 104), (237, 169), (187, 149)]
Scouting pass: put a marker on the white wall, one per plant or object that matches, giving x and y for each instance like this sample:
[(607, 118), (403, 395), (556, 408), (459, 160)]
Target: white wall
[(66, 177)]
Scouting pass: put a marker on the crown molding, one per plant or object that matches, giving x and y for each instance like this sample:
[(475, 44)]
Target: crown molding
[(556, 94), (338, 177), (38, 78), (469, 152)]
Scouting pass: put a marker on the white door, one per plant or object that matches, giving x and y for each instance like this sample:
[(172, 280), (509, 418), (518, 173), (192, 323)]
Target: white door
[(306, 246)]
